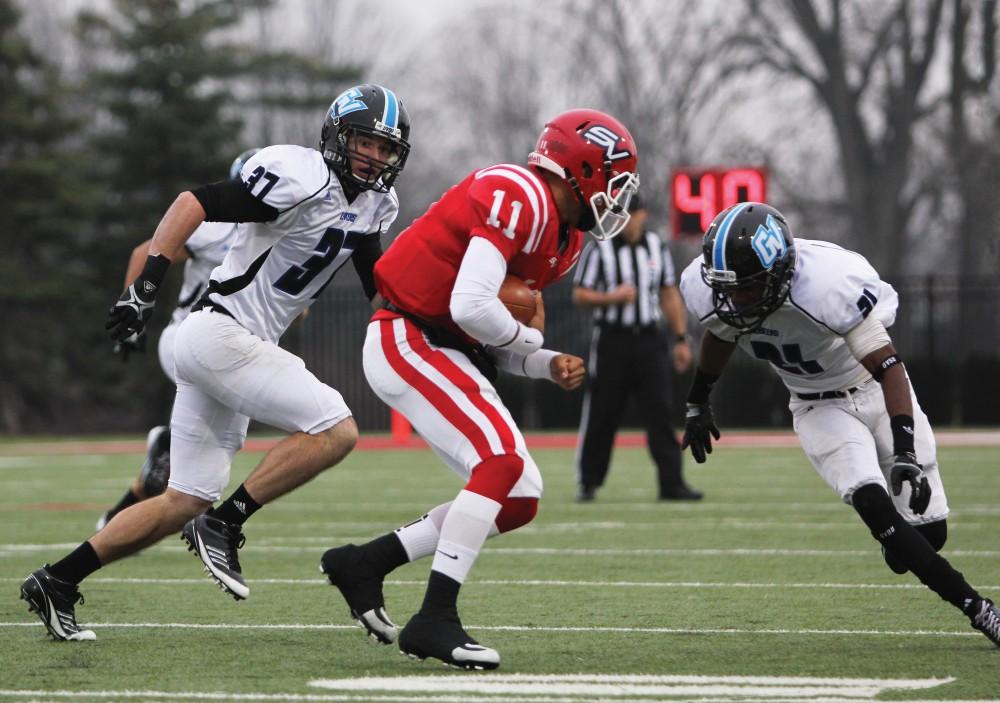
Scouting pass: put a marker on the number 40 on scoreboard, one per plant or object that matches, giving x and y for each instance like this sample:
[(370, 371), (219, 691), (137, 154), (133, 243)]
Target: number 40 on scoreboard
[(697, 195)]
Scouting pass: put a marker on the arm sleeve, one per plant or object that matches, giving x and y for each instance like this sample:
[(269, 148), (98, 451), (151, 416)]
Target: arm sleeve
[(230, 201), (533, 365), (474, 304), (366, 253)]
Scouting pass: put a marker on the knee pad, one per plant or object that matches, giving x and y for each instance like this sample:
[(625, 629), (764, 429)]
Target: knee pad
[(515, 513), (873, 504), (935, 532), (495, 477)]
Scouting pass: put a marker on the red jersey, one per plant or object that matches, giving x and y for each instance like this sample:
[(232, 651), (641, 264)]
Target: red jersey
[(510, 206)]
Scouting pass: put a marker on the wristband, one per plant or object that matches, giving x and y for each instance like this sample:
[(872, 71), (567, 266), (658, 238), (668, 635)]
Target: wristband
[(902, 434), (701, 387), (887, 363), (154, 272)]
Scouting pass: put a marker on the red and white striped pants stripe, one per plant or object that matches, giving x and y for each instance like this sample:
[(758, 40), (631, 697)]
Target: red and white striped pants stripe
[(446, 399)]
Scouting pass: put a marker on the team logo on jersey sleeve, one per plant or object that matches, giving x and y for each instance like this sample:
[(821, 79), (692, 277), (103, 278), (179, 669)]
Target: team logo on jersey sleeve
[(768, 242)]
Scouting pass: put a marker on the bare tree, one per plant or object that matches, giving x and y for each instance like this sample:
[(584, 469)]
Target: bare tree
[(974, 134), (868, 65)]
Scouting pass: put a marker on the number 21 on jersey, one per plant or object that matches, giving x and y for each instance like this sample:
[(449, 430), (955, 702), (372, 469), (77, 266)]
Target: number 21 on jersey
[(494, 217)]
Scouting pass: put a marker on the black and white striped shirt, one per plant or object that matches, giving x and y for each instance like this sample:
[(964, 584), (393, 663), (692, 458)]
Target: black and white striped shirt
[(647, 265)]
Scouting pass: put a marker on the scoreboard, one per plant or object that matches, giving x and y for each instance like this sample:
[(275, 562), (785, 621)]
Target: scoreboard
[(698, 194)]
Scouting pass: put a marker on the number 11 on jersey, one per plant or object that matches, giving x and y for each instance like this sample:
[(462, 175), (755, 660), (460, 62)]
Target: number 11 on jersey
[(494, 219)]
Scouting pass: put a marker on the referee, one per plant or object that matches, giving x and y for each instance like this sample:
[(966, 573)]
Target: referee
[(629, 283)]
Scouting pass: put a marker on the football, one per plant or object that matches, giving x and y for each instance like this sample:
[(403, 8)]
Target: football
[(518, 299)]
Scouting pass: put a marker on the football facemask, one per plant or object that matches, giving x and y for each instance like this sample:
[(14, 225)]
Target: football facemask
[(611, 208), (748, 258), (363, 150)]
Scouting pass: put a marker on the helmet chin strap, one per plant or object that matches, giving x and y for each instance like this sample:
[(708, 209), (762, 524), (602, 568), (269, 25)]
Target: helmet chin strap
[(586, 221)]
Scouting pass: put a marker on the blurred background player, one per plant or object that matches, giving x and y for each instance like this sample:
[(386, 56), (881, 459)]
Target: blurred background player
[(430, 355), (292, 203), (630, 283), (201, 253), (818, 314)]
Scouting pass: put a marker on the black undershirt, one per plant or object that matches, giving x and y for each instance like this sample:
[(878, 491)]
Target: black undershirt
[(230, 201)]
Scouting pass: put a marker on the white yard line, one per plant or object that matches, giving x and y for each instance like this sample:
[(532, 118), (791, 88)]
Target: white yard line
[(9, 549), (532, 582), (520, 628)]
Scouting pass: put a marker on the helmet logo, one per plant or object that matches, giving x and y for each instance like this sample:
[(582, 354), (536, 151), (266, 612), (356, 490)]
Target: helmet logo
[(347, 102), (768, 242), (602, 136)]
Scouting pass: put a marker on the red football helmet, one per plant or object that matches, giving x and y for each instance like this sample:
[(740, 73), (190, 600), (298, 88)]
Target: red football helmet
[(595, 154)]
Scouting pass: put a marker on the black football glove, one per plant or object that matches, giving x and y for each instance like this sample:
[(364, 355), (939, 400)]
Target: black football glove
[(134, 307), (133, 344), (699, 428), (906, 468), (132, 310)]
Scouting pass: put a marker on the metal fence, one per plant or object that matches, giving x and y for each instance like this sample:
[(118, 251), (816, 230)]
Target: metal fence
[(946, 330)]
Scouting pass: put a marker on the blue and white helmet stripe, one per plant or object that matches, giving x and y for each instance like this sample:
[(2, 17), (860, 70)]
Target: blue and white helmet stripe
[(719, 248), (390, 113)]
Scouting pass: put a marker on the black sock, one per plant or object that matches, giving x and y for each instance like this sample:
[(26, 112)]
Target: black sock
[(129, 499), (441, 598), (77, 565), (386, 553), (237, 508)]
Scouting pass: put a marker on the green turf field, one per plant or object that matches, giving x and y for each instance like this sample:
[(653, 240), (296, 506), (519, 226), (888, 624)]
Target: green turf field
[(770, 589)]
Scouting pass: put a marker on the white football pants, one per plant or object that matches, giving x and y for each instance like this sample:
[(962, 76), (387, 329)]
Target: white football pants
[(227, 375), (849, 442), (446, 399)]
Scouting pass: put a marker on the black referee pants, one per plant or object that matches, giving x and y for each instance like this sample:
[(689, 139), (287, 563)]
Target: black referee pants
[(624, 363)]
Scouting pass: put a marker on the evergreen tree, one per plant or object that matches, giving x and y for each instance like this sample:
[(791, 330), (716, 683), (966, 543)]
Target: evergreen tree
[(164, 123), (44, 279), (162, 86)]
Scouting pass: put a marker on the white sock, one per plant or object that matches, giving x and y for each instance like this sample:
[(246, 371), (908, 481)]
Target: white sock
[(420, 537), (466, 527)]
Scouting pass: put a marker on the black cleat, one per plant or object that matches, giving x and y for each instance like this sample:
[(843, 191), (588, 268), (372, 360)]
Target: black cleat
[(361, 586), (215, 543), (156, 466), (986, 619), (444, 638), (681, 493), (586, 494), (54, 601)]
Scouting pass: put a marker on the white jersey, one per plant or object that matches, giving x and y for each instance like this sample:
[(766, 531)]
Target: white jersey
[(206, 249), (275, 270), (832, 291)]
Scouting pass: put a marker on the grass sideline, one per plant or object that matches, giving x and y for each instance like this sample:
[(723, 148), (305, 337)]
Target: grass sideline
[(770, 577)]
